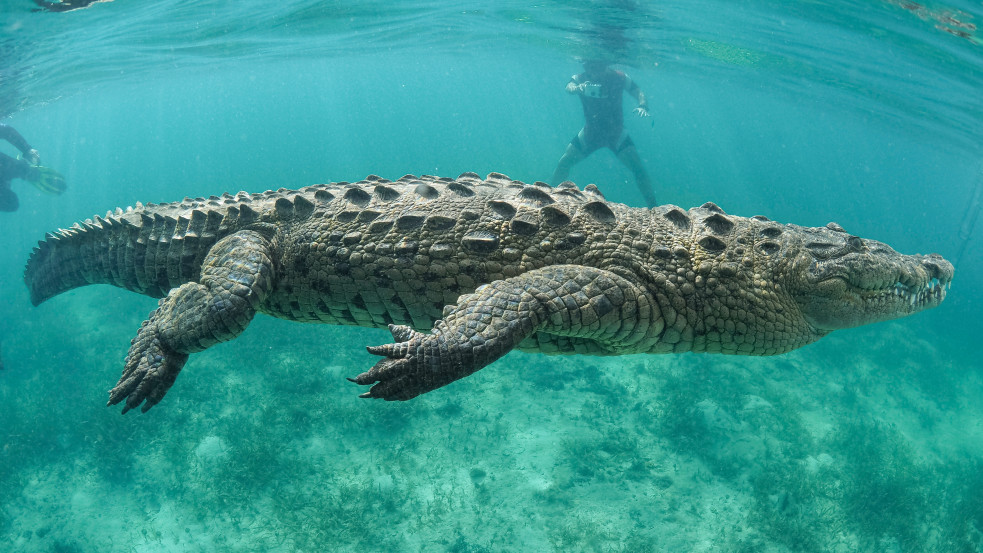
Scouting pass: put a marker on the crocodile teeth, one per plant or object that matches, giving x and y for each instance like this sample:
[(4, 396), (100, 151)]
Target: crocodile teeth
[(933, 290)]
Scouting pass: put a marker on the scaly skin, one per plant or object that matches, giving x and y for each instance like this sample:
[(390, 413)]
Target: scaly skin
[(464, 270)]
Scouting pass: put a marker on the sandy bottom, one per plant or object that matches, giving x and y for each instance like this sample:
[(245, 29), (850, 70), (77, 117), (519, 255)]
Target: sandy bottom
[(870, 440)]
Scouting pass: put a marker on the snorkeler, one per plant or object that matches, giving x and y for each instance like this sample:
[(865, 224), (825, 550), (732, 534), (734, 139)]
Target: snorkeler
[(600, 90), (27, 168), (66, 5)]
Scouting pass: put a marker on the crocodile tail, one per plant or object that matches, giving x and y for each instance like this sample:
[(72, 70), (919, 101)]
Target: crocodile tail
[(140, 250)]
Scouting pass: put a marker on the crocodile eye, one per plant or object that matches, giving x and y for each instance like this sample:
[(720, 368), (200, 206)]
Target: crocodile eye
[(856, 243)]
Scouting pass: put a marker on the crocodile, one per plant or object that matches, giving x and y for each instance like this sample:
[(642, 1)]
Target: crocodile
[(464, 270)]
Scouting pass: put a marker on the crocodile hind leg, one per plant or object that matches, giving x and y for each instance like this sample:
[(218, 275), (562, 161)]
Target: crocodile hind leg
[(236, 276), (568, 300)]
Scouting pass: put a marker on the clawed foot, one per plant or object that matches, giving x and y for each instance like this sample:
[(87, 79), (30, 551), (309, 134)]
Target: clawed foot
[(149, 372), (411, 366)]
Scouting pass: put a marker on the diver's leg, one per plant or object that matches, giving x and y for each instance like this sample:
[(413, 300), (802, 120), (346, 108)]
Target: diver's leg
[(628, 155), (236, 276), (8, 200), (572, 156), (10, 169)]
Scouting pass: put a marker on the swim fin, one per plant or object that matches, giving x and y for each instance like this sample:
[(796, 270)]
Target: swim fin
[(48, 180)]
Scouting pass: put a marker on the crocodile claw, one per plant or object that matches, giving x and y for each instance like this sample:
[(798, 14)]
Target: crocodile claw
[(150, 370), (402, 374)]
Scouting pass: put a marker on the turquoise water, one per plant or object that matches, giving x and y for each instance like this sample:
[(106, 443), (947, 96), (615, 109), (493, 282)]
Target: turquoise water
[(867, 113)]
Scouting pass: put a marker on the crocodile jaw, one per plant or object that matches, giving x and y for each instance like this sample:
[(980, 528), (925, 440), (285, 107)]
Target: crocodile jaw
[(861, 289)]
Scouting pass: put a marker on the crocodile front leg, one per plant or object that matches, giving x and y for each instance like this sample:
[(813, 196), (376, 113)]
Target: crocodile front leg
[(567, 300), (236, 276)]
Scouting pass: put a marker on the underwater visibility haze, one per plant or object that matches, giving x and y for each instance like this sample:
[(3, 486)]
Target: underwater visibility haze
[(866, 113)]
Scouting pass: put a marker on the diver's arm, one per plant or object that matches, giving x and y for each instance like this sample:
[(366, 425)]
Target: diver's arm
[(636, 92), (574, 87), (11, 135)]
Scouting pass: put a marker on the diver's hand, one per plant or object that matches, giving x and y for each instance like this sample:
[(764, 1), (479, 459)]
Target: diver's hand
[(33, 157), (642, 111)]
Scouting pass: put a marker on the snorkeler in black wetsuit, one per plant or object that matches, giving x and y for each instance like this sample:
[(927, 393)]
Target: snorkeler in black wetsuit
[(11, 168), (44, 179), (600, 89), (66, 5)]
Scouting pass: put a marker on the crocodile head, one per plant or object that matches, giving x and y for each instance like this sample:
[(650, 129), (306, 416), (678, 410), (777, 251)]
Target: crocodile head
[(840, 281)]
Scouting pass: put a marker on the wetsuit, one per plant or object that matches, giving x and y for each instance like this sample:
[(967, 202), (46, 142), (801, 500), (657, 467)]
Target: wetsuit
[(11, 168), (65, 6), (604, 120)]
